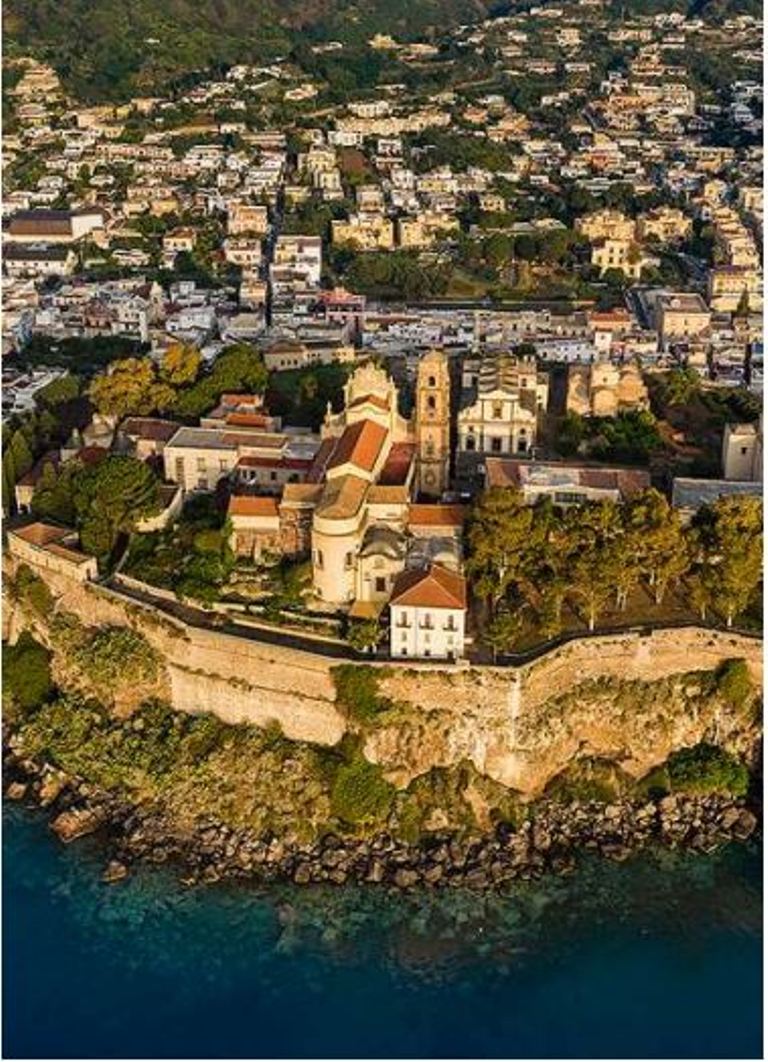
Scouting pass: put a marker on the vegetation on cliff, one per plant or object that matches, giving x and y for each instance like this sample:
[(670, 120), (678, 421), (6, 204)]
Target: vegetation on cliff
[(27, 681)]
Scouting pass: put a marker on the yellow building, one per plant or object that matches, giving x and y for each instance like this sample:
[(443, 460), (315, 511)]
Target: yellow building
[(604, 225), (727, 285), (366, 232), (618, 254)]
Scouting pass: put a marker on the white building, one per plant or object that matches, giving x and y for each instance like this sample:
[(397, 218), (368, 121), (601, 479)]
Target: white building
[(427, 614)]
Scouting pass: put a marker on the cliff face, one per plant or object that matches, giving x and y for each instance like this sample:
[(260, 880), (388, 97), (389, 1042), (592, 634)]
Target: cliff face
[(525, 743), (629, 699)]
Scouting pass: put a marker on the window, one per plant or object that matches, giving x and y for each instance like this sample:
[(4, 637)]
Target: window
[(426, 622), (470, 442), (403, 636), (202, 483), (223, 466), (743, 451), (497, 411), (381, 584), (403, 651), (349, 560), (319, 558), (431, 402), (496, 446), (273, 476), (450, 624), (569, 497), (179, 469), (201, 464), (432, 382)]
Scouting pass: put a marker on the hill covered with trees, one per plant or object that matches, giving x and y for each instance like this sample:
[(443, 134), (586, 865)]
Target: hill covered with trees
[(114, 49)]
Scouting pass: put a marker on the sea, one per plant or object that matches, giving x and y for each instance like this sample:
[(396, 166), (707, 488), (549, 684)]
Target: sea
[(656, 957)]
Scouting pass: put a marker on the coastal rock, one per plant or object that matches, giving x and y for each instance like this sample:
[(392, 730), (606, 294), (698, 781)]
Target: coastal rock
[(302, 875), (70, 825), (114, 871), (16, 791), (745, 826), (51, 787), (405, 878)]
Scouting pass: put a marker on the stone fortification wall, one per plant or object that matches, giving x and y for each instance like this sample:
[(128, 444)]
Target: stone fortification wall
[(518, 725)]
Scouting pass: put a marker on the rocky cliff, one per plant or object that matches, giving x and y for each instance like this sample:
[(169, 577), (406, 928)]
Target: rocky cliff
[(630, 700)]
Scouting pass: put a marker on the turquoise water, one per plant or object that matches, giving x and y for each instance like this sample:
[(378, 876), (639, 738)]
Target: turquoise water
[(659, 957)]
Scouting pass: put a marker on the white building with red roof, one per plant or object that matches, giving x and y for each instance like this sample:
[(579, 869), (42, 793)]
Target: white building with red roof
[(427, 614)]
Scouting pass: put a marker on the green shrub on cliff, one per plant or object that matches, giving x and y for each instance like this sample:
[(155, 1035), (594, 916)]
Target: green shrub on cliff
[(357, 692), (27, 679), (360, 795), (735, 683), (31, 590), (707, 769), (589, 779), (116, 656)]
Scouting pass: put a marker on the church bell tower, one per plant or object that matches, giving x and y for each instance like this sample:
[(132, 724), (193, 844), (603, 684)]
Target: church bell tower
[(433, 424)]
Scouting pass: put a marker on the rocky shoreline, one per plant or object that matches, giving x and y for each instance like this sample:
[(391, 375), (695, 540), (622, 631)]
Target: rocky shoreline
[(549, 841)]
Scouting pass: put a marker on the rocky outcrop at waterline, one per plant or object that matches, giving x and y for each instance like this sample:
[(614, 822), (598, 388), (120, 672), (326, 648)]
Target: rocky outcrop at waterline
[(548, 840)]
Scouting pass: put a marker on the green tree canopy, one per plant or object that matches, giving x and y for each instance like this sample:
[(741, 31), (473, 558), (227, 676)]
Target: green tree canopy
[(110, 499)]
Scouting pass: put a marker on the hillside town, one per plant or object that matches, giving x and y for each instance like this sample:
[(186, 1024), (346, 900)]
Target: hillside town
[(362, 371)]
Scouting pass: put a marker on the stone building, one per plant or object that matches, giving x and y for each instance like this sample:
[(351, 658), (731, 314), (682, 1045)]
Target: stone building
[(500, 410), (743, 452), (433, 424), (603, 389)]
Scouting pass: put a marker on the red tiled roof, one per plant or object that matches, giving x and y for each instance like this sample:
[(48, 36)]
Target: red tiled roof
[(433, 587), (153, 428), (436, 515), (245, 505), (91, 455), (322, 457), (41, 534), (298, 463), (373, 400), (248, 420), (397, 465), (241, 400), (360, 445)]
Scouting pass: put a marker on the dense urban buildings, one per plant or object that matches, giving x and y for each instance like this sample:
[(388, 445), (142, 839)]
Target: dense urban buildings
[(526, 259)]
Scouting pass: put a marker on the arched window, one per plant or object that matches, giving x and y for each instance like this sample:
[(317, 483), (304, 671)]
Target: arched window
[(431, 402), (432, 382)]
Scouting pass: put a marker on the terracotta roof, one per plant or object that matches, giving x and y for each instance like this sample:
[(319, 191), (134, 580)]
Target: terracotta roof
[(301, 493), (300, 464), (40, 533), (258, 441), (149, 428), (359, 445), (433, 587), (240, 400), (436, 515), (67, 552), (91, 455), (322, 457), (501, 472), (342, 497), (245, 505), (373, 400), (387, 495), (397, 465), (248, 420)]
